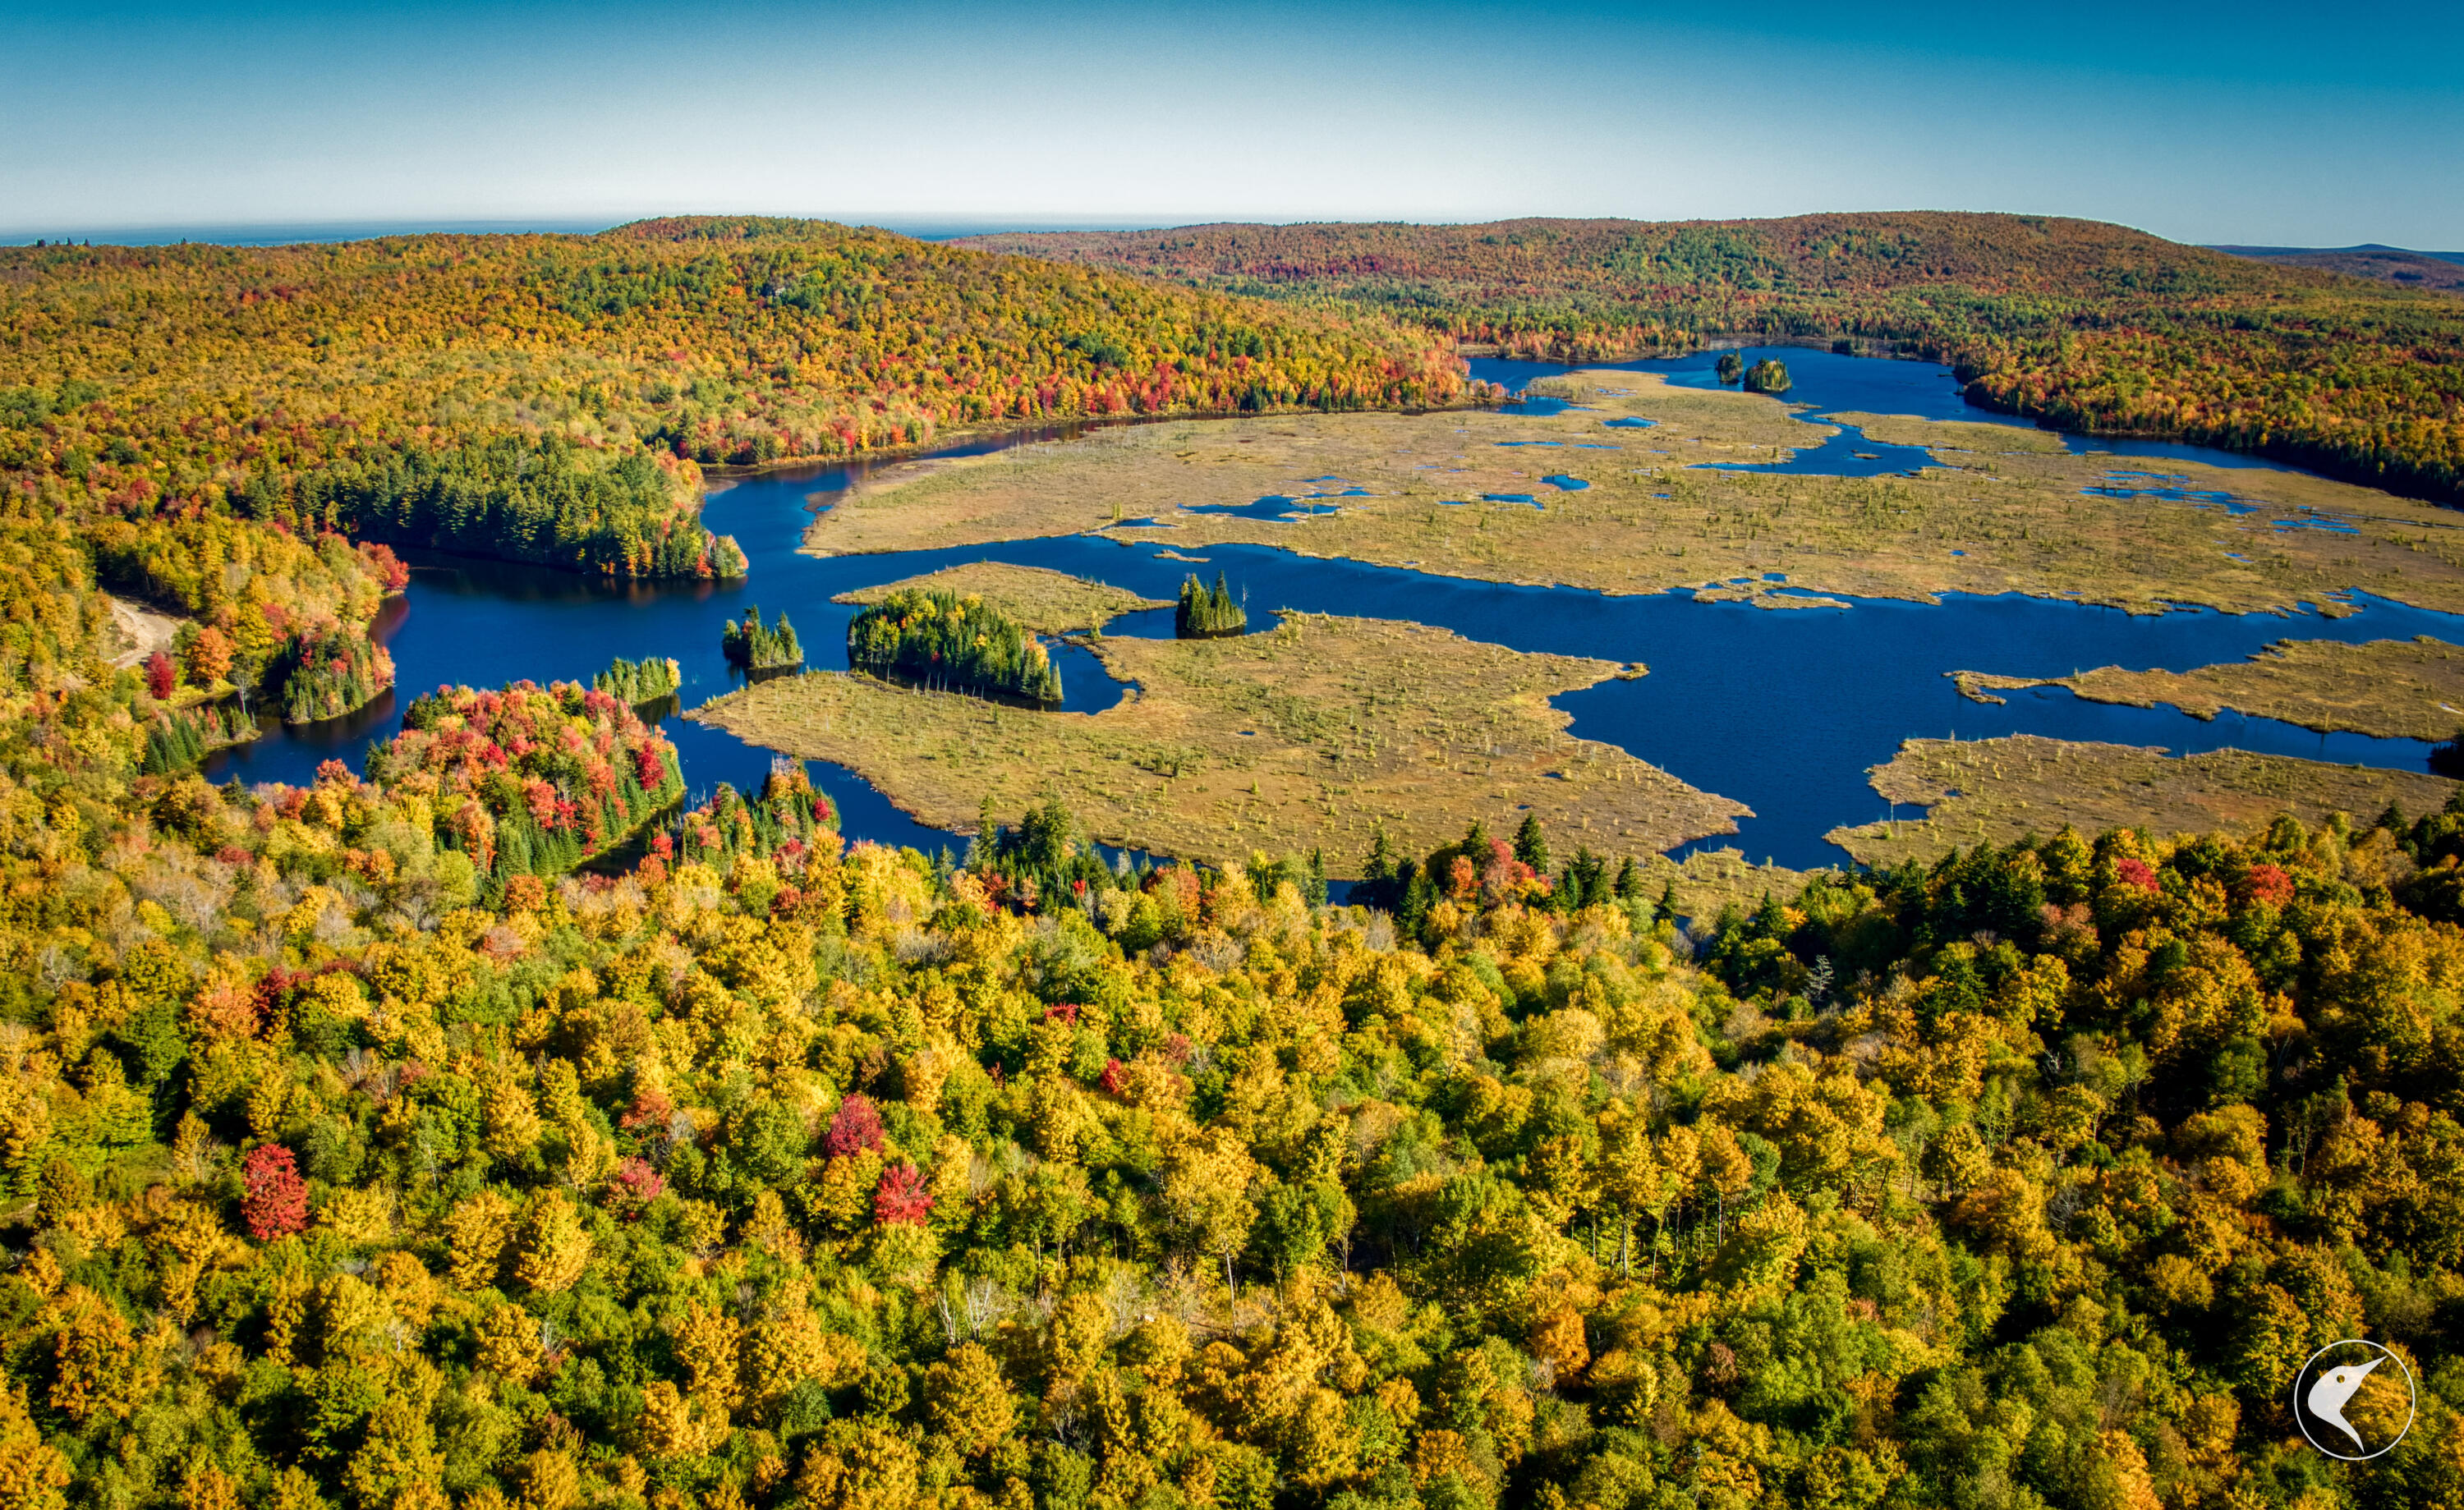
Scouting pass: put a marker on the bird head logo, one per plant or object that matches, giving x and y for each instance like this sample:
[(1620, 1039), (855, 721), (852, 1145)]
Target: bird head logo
[(2350, 1404)]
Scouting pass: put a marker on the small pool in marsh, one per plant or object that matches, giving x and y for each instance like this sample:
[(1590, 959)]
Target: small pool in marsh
[(1781, 711)]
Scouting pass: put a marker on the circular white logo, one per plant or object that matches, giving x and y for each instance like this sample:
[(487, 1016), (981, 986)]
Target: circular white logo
[(2353, 1400)]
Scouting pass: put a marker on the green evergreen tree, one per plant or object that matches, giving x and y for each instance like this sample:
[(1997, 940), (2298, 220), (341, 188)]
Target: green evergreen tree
[(1531, 845), (1208, 613)]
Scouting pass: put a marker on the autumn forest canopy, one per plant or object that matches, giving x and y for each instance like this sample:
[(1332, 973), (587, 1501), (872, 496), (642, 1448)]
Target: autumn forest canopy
[(551, 399), (515, 1122)]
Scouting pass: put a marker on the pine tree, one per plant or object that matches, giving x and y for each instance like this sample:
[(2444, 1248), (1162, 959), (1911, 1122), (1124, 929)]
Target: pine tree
[(1208, 613), (1531, 846)]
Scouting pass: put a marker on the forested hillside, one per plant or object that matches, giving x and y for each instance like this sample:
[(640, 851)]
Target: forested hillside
[(551, 398), (355, 1160), (2077, 322)]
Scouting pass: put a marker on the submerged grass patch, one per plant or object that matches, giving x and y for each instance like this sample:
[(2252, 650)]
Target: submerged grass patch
[(2387, 688), (1995, 790), (1305, 737), (2004, 509)]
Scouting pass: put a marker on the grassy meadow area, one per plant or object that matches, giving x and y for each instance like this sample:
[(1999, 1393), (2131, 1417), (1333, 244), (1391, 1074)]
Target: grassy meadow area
[(1994, 791), (2017, 518), (2387, 688), (1308, 736)]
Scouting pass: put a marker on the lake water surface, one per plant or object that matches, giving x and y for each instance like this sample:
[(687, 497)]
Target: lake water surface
[(1783, 711)]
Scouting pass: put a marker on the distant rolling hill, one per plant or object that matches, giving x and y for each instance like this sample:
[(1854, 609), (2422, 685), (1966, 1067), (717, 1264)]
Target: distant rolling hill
[(2093, 327), (2416, 270)]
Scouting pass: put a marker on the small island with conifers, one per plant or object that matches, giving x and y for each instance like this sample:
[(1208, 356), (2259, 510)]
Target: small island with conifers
[(757, 647), (941, 640), (1208, 613), (642, 681)]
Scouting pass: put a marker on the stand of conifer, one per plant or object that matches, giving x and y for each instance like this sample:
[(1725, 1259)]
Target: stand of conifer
[(759, 647), (1207, 613), (642, 681), (952, 644), (327, 672), (181, 740)]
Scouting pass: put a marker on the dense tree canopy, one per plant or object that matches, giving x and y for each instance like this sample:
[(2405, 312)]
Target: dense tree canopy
[(551, 398), (361, 1168)]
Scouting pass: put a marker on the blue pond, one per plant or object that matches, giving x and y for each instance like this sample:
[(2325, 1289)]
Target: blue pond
[(1276, 506), (1781, 711), (1565, 484)]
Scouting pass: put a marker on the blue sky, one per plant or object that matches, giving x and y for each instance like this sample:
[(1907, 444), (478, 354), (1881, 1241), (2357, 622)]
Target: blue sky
[(2253, 122)]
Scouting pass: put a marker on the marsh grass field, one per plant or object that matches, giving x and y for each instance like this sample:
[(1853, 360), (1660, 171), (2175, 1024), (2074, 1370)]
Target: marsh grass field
[(1311, 737), (1993, 791), (2387, 689), (1045, 601), (1304, 737), (2001, 509)]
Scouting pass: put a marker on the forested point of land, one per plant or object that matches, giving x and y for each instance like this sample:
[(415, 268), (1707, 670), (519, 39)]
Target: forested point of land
[(2074, 323)]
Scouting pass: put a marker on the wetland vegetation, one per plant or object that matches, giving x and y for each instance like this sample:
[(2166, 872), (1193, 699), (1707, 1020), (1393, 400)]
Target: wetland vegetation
[(1995, 791), (1662, 511), (1310, 736), (2387, 689)]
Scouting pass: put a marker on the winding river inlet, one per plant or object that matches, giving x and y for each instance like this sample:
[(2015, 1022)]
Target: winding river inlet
[(1781, 711)]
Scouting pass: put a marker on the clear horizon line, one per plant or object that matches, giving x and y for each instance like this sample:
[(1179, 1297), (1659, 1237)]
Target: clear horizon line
[(292, 232)]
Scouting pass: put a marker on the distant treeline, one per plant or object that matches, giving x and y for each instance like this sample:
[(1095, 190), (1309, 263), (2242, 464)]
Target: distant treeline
[(962, 644), (1208, 612), (2074, 323)]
